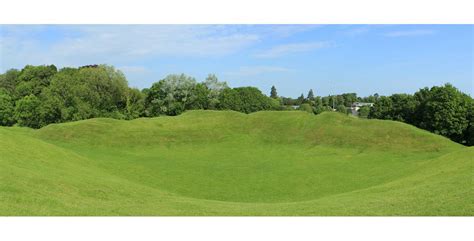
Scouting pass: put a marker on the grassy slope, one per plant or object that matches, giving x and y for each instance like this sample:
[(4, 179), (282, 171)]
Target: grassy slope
[(227, 163)]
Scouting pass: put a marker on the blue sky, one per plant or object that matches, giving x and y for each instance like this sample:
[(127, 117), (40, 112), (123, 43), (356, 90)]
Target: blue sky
[(365, 59)]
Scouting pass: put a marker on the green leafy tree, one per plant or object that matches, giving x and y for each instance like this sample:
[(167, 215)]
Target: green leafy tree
[(326, 101), (300, 100), (310, 96), (135, 105), (469, 132), (88, 92), (246, 100), (444, 110), (339, 100), (201, 98), (215, 88), (273, 92), (347, 99), (382, 108), (50, 110), (341, 109), (288, 101), (74, 94), (32, 79), (105, 89), (171, 95), (27, 111), (403, 107), (364, 111), (9, 81), (319, 107), (6, 108)]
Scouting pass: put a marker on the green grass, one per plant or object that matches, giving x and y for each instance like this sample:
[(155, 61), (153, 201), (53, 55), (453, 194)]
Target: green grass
[(228, 163)]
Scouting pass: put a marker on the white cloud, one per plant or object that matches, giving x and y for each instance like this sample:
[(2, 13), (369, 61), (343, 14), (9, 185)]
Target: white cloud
[(409, 33), (144, 40), (292, 48), (119, 44), (257, 70)]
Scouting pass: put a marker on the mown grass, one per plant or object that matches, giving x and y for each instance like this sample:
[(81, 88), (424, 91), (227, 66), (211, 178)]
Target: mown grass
[(228, 163)]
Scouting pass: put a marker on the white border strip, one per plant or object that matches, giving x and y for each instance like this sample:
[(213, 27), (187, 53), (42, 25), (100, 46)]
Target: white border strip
[(237, 228), (236, 11)]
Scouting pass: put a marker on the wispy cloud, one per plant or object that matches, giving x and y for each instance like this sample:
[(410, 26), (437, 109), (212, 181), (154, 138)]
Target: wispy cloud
[(133, 69), (176, 40), (257, 70), (410, 33), (292, 48), (85, 44), (289, 30), (120, 44)]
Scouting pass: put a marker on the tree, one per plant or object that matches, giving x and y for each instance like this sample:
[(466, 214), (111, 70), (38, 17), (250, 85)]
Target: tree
[(342, 109), (6, 109), (364, 112), (339, 100), (171, 95), (326, 101), (273, 92), (319, 106), (74, 94), (246, 100), (403, 107), (135, 106), (348, 99), (215, 88), (300, 100), (27, 111), (32, 79), (201, 100), (368, 99), (105, 89), (469, 132), (9, 81), (50, 110), (382, 108), (443, 110), (288, 101), (310, 96), (101, 91)]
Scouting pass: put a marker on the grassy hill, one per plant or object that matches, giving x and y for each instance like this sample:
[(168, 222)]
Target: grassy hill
[(228, 163)]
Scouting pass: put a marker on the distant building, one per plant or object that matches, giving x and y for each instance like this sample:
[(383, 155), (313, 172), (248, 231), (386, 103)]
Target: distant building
[(357, 105)]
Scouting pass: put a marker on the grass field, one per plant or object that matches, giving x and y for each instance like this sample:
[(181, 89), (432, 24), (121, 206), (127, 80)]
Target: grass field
[(228, 163)]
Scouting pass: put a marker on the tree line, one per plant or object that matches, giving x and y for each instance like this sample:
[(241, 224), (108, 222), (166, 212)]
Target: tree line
[(36, 96)]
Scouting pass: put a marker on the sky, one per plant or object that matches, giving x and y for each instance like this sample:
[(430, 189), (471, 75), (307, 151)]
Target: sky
[(330, 59)]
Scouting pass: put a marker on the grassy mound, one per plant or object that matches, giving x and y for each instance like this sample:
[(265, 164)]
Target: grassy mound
[(228, 163)]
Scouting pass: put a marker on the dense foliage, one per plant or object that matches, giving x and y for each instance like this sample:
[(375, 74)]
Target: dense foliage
[(443, 110), (246, 100), (39, 95)]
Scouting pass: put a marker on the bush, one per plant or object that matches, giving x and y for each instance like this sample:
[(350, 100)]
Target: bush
[(306, 107)]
